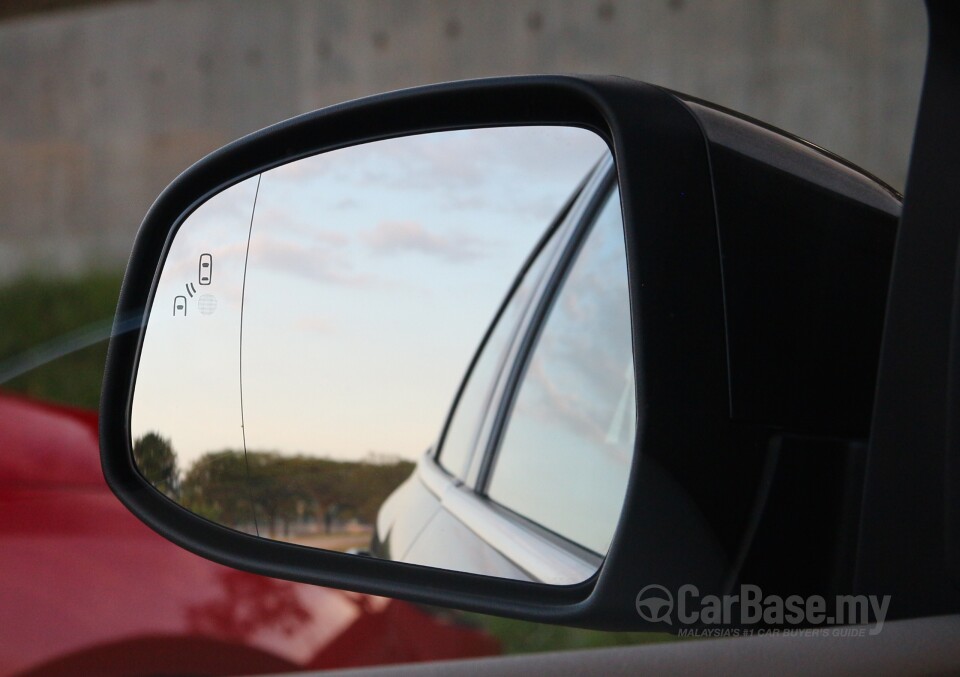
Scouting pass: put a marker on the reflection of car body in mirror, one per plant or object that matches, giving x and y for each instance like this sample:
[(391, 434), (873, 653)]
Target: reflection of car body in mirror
[(496, 521), (526, 480)]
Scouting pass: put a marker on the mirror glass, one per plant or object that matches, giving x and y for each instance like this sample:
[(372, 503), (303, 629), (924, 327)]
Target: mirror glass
[(311, 327)]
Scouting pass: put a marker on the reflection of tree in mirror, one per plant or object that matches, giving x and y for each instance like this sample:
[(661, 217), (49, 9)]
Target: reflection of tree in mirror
[(157, 462), (307, 500), (216, 488)]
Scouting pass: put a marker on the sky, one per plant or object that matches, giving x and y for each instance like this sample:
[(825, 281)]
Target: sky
[(366, 278)]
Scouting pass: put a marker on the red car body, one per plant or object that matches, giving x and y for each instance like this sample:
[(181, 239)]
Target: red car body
[(86, 588)]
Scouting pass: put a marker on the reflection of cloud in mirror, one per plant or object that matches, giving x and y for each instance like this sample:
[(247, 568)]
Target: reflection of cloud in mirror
[(596, 304), (570, 409), (444, 165), (466, 157), (316, 263), (279, 220), (461, 168), (346, 203), (398, 236), (474, 167)]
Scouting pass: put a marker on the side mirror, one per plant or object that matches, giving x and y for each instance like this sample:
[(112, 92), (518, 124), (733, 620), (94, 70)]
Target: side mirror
[(311, 297)]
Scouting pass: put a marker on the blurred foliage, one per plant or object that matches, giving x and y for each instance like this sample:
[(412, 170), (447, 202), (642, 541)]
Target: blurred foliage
[(518, 637), (35, 311)]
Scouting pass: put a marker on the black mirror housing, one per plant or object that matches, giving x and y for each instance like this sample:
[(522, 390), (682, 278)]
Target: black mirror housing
[(701, 472)]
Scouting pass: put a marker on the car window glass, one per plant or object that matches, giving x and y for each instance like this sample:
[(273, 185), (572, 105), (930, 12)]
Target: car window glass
[(461, 433), (565, 454)]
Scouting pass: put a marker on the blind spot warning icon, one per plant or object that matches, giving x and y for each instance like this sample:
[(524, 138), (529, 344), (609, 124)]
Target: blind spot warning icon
[(180, 306), (206, 268)]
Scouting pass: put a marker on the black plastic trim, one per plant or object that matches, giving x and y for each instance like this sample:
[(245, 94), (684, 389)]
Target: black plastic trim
[(908, 546)]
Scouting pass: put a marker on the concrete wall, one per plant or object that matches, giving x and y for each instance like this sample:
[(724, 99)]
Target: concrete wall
[(101, 107)]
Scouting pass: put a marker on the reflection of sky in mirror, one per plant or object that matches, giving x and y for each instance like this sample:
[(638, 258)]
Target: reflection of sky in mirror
[(187, 388), (373, 272)]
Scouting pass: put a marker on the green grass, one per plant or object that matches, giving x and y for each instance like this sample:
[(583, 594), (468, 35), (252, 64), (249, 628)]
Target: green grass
[(38, 312), (518, 637)]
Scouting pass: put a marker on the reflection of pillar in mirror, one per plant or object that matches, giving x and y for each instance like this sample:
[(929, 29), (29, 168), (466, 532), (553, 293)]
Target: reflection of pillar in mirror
[(180, 306), (617, 425)]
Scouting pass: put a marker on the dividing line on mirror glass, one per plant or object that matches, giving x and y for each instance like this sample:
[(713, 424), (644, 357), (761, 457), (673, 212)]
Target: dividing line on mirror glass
[(243, 290)]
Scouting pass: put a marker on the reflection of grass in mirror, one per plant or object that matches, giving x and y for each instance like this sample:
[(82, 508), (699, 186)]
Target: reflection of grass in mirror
[(36, 310), (518, 637), (316, 502)]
